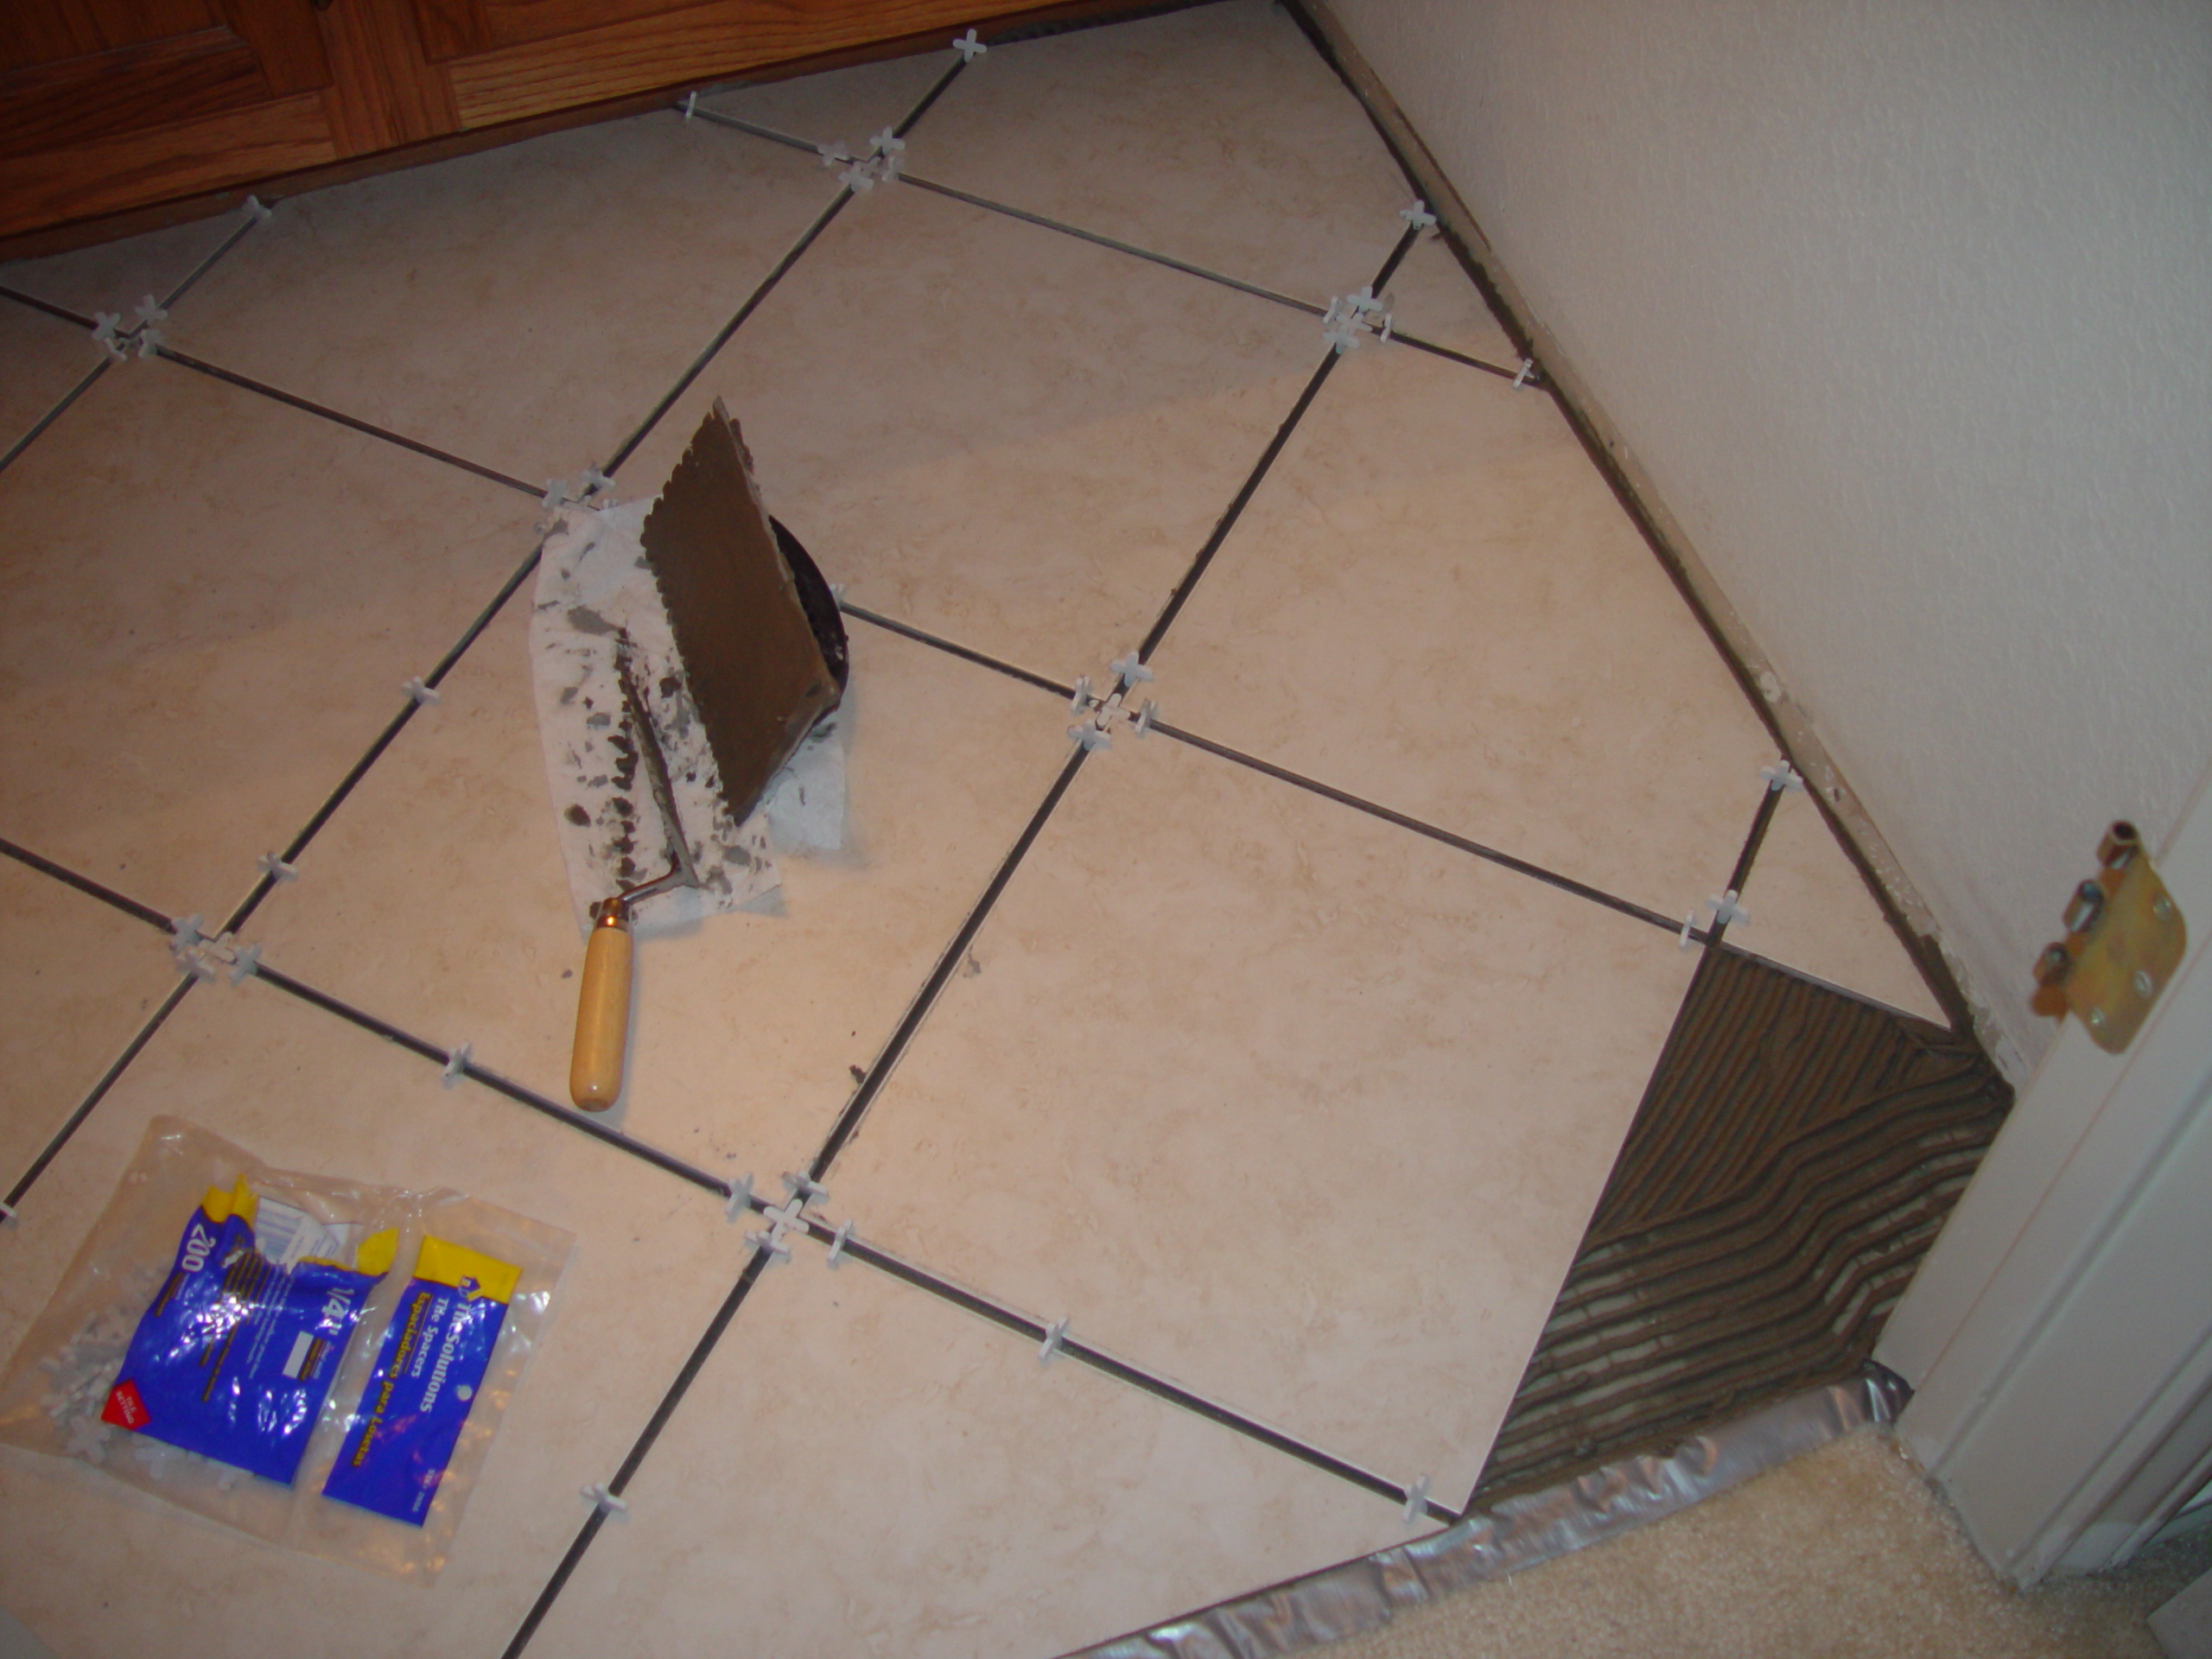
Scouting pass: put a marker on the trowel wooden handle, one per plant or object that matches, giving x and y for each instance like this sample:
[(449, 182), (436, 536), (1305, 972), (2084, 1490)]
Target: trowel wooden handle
[(602, 1015)]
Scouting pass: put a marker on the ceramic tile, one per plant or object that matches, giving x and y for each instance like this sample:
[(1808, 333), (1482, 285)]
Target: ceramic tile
[(862, 1468), (1435, 602), (1433, 300), (1215, 135), (846, 107), (525, 308), (44, 358), (1810, 910), (116, 276), (998, 432), (77, 981), (108, 1569), (746, 1026), (210, 602), (1297, 1108)]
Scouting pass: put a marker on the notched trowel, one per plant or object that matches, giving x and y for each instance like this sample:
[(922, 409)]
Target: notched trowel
[(705, 653)]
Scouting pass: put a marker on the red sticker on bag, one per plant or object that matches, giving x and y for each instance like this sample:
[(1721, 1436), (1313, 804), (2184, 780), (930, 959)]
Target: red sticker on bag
[(124, 1408)]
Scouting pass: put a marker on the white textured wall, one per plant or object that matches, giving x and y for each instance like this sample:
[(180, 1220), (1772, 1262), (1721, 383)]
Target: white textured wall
[(1907, 311)]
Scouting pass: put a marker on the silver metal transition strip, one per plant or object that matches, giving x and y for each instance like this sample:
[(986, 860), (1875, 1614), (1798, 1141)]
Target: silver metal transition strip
[(1364, 1594)]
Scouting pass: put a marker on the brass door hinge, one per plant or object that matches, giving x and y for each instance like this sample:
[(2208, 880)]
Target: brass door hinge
[(2125, 936)]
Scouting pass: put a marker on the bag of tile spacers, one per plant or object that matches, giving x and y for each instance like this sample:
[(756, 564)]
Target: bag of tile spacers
[(318, 1362)]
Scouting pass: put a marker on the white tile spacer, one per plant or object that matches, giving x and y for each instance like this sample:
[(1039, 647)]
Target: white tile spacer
[(556, 494), (1081, 700), (1147, 711), (970, 48), (457, 1064), (1055, 1334), (257, 210), (1725, 910), (244, 962), (1130, 669), (7, 1212), (419, 691), (1782, 776), (1090, 735), (1416, 1510), (605, 1501), (837, 153), (771, 1243), (595, 482), (104, 331), (1528, 368), (184, 932), (1352, 318), (806, 1189), (276, 869), (1418, 216), (1689, 923), (147, 334), (837, 1257), (739, 1201), (887, 142), (690, 104)]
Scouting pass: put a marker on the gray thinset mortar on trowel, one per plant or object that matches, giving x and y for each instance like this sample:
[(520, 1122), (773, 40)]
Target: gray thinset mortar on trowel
[(1361, 1595)]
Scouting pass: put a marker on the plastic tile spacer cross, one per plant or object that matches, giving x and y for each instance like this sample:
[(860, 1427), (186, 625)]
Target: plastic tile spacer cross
[(457, 1064), (1726, 912), (257, 210), (1081, 700), (836, 1256), (602, 1499), (1352, 319), (1090, 735), (970, 48), (7, 1212), (1525, 375), (419, 691), (690, 104), (276, 869), (1418, 216), (740, 1200), (1055, 1334), (1130, 669), (1782, 776), (105, 326), (1416, 1508), (806, 1189)]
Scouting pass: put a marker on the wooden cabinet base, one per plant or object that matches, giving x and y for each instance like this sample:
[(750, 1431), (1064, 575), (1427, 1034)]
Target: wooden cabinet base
[(402, 82)]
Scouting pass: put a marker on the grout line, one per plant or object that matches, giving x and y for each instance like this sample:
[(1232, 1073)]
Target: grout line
[(47, 306), (1129, 248), (1451, 356), (922, 106), (1297, 780), (1120, 1370), (1753, 842), (86, 885), (722, 335), (872, 1084), (208, 265), (666, 1162), (54, 413), (408, 709), (169, 353), (1183, 588), (674, 1397), (25, 1181), (774, 137), (966, 654), (1519, 865)]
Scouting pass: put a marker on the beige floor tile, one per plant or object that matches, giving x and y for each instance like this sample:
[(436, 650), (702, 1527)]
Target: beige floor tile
[(43, 359), (847, 106), (1215, 135), (436, 898), (996, 432), (525, 308), (78, 981), (116, 276), (109, 1570), (1435, 602), (1298, 1108), (207, 603), (1433, 300), (862, 1469), (1810, 910)]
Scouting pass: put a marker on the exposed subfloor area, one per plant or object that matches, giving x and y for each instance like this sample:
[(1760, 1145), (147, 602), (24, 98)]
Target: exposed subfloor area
[(1283, 1050)]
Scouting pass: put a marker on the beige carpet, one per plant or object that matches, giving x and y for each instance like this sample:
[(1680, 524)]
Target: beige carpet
[(1847, 1551)]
